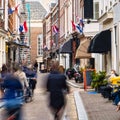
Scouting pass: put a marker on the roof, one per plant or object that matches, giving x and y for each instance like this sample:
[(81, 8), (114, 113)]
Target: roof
[(37, 11)]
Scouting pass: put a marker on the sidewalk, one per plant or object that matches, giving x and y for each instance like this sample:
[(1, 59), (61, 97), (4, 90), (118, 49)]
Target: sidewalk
[(98, 108), (92, 106)]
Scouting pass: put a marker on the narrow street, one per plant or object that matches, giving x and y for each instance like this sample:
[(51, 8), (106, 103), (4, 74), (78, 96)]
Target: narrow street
[(38, 108)]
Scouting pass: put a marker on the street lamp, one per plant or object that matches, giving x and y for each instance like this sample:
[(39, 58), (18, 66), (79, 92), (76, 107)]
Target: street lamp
[(28, 10)]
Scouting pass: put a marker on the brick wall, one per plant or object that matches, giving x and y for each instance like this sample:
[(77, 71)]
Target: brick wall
[(34, 34)]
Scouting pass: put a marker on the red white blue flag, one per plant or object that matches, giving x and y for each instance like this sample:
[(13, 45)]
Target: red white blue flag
[(10, 11), (55, 29), (13, 9), (73, 25), (77, 27), (23, 28)]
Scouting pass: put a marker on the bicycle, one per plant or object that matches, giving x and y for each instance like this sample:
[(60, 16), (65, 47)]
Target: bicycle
[(29, 92), (12, 108)]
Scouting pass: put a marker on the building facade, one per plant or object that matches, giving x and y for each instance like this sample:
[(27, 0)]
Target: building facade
[(69, 39), (98, 44), (37, 13), (109, 20)]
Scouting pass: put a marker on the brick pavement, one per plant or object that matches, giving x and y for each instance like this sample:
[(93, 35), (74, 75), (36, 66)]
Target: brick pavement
[(39, 110), (98, 108)]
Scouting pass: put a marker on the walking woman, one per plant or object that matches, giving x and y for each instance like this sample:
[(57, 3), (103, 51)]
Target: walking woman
[(56, 85)]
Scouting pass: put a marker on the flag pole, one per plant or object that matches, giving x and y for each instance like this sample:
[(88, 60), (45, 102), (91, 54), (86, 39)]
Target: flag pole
[(28, 9)]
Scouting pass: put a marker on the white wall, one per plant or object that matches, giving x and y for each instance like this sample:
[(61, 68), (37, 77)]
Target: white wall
[(116, 43), (91, 29), (64, 60)]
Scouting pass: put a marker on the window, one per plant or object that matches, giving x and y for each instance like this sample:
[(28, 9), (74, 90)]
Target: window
[(96, 10), (2, 6), (110, 3), (105, 8), (40, 47)]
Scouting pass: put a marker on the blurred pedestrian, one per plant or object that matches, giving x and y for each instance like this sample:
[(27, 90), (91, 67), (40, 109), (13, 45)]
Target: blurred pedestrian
[(61, 69), (0, 85), (12, 97), (57, 86), (18, 72), (4, 72), (35, 65), (112, 74), (32, 77)]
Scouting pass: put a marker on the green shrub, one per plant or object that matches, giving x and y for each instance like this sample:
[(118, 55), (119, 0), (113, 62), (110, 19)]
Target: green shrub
[(98, 79)]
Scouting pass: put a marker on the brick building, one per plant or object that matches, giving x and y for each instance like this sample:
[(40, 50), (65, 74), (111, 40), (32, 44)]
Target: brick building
[(37, 12), (68, 38)]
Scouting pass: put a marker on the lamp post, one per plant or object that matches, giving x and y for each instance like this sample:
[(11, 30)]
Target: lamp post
[(28, 10)]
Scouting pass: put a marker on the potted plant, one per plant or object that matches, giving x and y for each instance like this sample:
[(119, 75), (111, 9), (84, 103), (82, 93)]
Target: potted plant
[(98, 80)]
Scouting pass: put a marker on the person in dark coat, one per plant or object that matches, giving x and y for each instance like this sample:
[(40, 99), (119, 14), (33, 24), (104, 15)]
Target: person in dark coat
[(13, 97), (32, 75), (56, 85), (36, 65)]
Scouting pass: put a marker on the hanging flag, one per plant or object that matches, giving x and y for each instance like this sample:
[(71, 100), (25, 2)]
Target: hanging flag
[(10, 11), (25, 26), (45, 47), (73, 25), (81, 23), (79, 28), (55, 29), (21, 28), (16, 8)]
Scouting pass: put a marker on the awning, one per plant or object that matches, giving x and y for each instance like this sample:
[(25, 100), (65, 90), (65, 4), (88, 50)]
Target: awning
[(66, 47), (101, 43), (82, 50), (18, 44)]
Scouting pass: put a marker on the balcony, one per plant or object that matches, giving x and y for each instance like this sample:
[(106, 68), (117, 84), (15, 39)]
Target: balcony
[(105, 18)]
